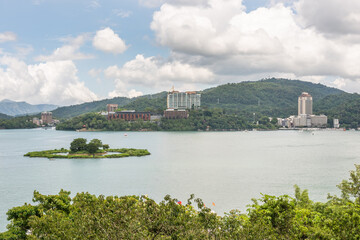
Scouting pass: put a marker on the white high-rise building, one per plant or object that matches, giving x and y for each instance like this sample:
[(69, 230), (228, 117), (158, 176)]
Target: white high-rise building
[(183, 100), (305, 104)]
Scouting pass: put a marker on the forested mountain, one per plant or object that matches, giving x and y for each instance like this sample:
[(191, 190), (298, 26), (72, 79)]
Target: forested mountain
[(76, 110), (152, 102), (4, 116), (270, 97), (13, 108)]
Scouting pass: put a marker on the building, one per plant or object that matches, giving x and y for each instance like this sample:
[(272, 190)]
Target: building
[(183, 100), (46, 117), (305, 104), (336, 123), (318, 120), (176, 113), (129, 115), (111, 107), (305, 118), (37, 121)]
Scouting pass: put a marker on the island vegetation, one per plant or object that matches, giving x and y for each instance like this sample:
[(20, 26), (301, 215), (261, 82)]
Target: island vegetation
[(87, 216), (203, 119), (79, 148)]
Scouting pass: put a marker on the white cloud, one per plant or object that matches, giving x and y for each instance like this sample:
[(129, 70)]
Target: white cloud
[(70, 51), (266, 40), (50, 82), (108, 41), (122, 13), (330, 16), (7, 37), (156, 74)]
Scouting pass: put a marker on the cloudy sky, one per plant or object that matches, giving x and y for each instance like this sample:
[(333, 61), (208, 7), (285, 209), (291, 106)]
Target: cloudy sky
[(66, 52)]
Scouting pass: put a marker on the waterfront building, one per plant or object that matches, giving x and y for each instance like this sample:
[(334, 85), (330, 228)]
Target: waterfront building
[(305, 118), (336, 123), (111, 107), (183, 100), (305, 104), (129, 115), (37, 121), (176, 113), (46, 117)]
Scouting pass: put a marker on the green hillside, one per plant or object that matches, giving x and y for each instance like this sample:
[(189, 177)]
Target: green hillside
[(270, 97), (4, 116), (76, 110)]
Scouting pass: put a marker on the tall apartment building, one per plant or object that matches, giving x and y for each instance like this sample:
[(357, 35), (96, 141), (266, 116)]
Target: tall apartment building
[(46, 117), (183, 100), (305, 104)]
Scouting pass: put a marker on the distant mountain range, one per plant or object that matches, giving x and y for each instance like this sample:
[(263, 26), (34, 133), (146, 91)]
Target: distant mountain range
[(13, 108)]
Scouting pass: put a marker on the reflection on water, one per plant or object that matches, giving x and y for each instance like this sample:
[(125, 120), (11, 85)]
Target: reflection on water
[(227, 168)]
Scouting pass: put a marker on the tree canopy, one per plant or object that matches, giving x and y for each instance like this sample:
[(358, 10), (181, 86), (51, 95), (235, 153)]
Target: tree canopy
[(139, 217)]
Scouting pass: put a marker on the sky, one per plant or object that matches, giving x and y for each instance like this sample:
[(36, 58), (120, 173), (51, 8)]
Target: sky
[(67, 52)]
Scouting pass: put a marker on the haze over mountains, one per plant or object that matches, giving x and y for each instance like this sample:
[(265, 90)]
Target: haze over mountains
[(12, 108)]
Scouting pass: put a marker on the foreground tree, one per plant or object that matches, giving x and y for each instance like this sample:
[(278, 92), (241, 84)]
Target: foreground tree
[(88, 216)]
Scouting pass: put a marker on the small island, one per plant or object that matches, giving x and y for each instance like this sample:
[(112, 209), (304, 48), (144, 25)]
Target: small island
[(79, 148)]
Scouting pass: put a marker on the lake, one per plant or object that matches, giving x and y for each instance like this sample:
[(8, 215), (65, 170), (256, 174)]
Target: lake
[(227, 168)]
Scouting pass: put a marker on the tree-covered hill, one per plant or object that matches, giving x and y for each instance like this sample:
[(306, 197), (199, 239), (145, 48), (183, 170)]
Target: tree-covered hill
[(270, 97), (76, 110), (139, 103), (4, 116)]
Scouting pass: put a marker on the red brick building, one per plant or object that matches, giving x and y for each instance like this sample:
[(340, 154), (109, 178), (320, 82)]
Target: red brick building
[(130, 116)]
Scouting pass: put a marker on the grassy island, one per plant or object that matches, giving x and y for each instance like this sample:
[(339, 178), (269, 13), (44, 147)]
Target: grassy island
[(94, 149)]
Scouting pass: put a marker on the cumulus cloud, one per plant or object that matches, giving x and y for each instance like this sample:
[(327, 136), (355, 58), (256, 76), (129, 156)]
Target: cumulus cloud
[(7, 37), (330, 16), (50, 82), (267, 40), (70, 51), (108, 41), (156, 73)]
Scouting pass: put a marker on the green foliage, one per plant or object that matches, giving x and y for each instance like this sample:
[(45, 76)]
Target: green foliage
[(17, 123), (78, 144), (118, 153), (139, 217), (4, 116)]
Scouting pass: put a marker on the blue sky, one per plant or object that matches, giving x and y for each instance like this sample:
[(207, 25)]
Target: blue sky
[(67, 52)]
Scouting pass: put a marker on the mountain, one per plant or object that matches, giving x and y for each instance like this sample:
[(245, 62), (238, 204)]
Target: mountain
[(270, 97), (4, 116), (139, 103), (13, 108), (75, 110)]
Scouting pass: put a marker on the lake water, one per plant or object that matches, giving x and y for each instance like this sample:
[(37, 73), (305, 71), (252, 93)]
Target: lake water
[(227, 168)]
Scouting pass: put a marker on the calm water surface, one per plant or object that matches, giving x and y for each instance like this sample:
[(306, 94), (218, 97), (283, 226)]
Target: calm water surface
[(227, 168)]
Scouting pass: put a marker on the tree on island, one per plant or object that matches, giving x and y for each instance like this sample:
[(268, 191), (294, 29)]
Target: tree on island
[(97, 142), (92, 148), (78, 144)]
